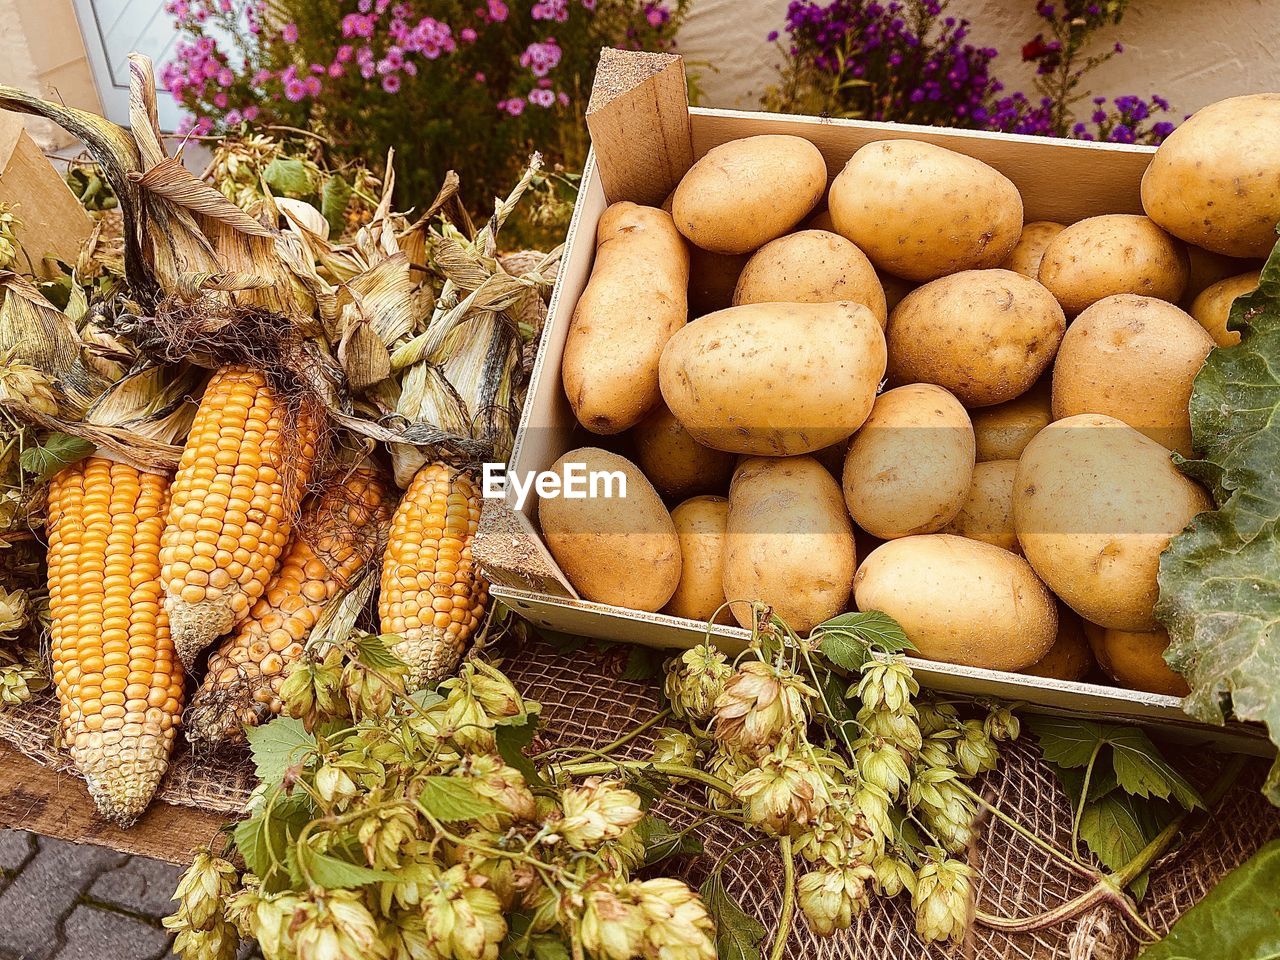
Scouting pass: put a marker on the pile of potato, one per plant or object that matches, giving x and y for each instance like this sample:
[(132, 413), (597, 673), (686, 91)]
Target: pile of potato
[(1007, 497)]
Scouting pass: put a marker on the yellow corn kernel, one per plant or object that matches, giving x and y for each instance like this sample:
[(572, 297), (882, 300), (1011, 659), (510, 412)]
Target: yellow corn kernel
[(242, 474), (118, 679), (433, 596), (338, 534)]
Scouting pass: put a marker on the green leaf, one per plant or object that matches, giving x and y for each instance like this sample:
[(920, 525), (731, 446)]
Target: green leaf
[(1237, 918), (330, 872), (833, 694), (547, 947), (334, 198), (1220, 578), (451, 798), (264, 839), (661, 840), (643, 663), (58, 450), (1117, 827), (1064, 741), (845, 650), (512, 735), (289, 177), (374, 654), (738, 936), (848, 638), (278, 745)]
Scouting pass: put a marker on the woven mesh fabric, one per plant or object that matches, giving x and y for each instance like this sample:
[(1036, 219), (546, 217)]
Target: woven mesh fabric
[(586, 703)]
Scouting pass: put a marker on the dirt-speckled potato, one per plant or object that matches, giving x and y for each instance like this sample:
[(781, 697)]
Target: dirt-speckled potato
[(1026, 256), (700, 525), (987, 512), (921, 211), (909, 468), (774, 379), (1115, 253), (960, 601), (600, 542), (811, 266), (675, 463), (1003, 431), (1095, 503), (895, 288), (744, 193), (636, 298), (1132, 358), (1070, 657), (712, 277), (985, 335), (789, 541), (1207, 268), (1212, 308), (820, 220), (1213, 181), (1136, 660)]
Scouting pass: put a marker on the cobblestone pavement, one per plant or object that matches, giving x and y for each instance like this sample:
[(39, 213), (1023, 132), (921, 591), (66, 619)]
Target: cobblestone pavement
[(67, 901)]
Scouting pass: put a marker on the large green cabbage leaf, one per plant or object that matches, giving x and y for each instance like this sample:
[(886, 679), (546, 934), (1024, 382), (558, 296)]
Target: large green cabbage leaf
[(1220, 578)]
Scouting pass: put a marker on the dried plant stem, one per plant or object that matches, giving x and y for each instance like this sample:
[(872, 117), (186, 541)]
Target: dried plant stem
[(666, 769), (788, 900), (1060, 855), (609, 747)]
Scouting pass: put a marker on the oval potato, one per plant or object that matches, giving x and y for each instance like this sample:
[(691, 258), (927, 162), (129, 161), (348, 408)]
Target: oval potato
[(1136, 660), (960, 601), (1026, 255), (1117, 253), (1213, 180), (909, 468), (1207, 268), (712, 278), (985, 335), (1095, 503), (675, 463), (774, 379), (1132, 358), (1212, 309), (895, 288), (621, 550), (921, 211), (634, 301), (811, 266), (746, 192), (987, 511), (789, 541), (1070, 657), (700, 524), (1003, 431)]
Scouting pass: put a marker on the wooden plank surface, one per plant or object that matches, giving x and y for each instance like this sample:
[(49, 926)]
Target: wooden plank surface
[(33, 797)]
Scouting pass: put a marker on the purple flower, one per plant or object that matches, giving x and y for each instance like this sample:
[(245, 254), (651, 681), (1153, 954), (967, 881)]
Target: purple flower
[(773, 36), (498, 13), (289, 33), (542, 98), (541, 58)]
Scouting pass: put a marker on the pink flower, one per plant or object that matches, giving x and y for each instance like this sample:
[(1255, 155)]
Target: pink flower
[(468, 35), (345, 53), (336, 70), (289, 33), (562, 98), (251, 113), (479, 78), (498, 13), (541, 58), (589, 4), (220, 100), (318, 69), (367, 70), (542, 98), (226, 7), (295, 91), (233, 118), (557, 10), (391, 83), (261, 76), (225, 77), (410, 68), (312, 86)]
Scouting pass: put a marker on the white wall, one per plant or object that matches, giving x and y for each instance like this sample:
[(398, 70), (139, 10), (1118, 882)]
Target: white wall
[(1192, 52)]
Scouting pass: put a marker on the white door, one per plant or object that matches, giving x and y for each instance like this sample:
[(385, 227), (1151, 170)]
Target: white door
[(112, 30)]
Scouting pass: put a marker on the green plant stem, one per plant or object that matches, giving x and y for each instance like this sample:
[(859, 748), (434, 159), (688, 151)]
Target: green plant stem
[(597, 768), (788, 900), (609, 747), (1084, 797)]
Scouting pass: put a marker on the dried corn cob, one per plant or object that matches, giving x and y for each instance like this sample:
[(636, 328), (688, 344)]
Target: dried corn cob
[(339, 533), (244, 469), (119, 682), (433, 596)]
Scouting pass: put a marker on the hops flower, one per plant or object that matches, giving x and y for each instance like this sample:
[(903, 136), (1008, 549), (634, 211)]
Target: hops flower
[(674, 746), (949, 813), (337, 926), (383, 832), (21, 381), (613, 922), (695, 682), (729, 766), (504, 785), (335, 786), (18, 682), (882, 764), (761, 705), (838, 834), (464, 917), (785, 791), (975, 751), (898, 727), (313, 690), (13, 612), (893, 875), (1002, 724), (831, 898), (887, 684), (677, 926), (597, 811), (371, 693), (200, 892), (943, 900), (937, 717), (267, 919), (9, 225)]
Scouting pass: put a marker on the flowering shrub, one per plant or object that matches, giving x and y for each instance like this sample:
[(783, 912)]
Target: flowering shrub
[(466, 84), (908, 61)]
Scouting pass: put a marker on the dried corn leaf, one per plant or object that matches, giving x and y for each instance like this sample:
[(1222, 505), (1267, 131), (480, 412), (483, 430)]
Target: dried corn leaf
[(363, 355), (385, 297), (171, 180), (35, 332)]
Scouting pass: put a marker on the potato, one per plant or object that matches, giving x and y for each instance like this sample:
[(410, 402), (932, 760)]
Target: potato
[(987, 512), (1207, 268), (700, 525), (1026, 256), (960, 601), (1070, 657), (921, 212), (895, 288), (909, 468), (635, 300), (811, 266), (1116, 253), (712, 277), (774, 378), (1002, 432), (1213, 181), (820, 220), (789, 541), (1132, 358), (676, 464), (744, 193), (621, 550), (1212, 308), (985, 335), (1136, 660), (1094, 503)]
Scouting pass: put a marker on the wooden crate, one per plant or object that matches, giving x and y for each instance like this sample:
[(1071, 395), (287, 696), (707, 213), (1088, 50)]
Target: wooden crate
[(645, 136)]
